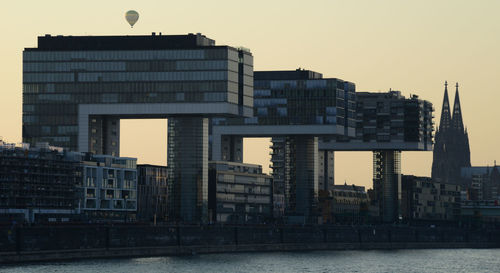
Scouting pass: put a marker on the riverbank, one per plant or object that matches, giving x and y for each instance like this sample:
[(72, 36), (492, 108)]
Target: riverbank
[(135, 252), (30, 244)]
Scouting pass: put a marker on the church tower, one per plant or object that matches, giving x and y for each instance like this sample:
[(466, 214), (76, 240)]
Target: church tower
[(460, 136), (451, 148)]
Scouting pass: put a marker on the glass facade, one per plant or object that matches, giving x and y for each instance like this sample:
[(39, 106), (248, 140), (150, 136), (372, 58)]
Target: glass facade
[(292, 101), (65, 72), (37, 178), (152, 200), (295, 177), (387, 183), (188, 169), (390, 117), (298, 98)]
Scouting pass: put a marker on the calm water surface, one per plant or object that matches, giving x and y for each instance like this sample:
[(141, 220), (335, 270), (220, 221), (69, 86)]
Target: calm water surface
[(436, 260)]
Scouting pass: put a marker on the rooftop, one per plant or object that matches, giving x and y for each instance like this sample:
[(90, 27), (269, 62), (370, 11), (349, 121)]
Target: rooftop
[(138, 42), (298, 74)]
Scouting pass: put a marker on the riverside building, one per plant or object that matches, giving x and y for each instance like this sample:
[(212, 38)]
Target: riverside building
[(387, 123), (344, 204), (239, 193), (38, 184), (77, 88), (481, 182), (425, 199), (350, 203), (152, 193), (108, 190), (293, 107)]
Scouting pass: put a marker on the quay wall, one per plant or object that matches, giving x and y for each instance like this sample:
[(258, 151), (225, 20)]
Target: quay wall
[(77, 242)]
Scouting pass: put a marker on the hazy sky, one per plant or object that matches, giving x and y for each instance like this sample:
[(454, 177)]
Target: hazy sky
[(412, 46)]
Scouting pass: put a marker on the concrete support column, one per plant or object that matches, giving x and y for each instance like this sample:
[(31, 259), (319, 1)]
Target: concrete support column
[(232, 148), (306, 179), (112, 136), (104, 135), (280, 178), (387, 183), (326, 167), (188, 167)]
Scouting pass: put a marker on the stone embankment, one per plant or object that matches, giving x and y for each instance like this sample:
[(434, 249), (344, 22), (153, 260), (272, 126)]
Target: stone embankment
[(89, 242)]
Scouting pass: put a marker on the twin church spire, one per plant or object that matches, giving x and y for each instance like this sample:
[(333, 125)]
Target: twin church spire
[(451, 146), (448, 121)]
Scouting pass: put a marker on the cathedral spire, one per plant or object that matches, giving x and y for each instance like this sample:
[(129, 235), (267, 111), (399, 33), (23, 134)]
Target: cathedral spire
[(445, 122), (457, 121), (451, 149)]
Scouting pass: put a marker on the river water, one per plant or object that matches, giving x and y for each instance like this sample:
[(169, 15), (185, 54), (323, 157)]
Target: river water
[(434, 260)]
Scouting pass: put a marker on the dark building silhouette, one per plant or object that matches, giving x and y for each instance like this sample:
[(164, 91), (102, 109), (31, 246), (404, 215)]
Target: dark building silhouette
[(38, 184), (152, 193), (424, 199), (451, 149), (482, 182)]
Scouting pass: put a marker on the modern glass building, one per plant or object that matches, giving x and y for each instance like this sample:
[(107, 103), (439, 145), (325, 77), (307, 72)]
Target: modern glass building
[(293, 107), (77, 88), (152, 193), (387, 123), (67, 76)]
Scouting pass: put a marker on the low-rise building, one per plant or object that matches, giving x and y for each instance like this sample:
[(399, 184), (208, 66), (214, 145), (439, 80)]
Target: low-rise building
[(424, 199), (344, 204), (37, 184), (477, 211), (152, 193), (481, 183), (239, 193), (108, 190), (350, 203)]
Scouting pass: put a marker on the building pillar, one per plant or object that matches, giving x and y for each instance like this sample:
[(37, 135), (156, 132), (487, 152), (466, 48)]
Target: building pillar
[(232, 148), (306, 178), (188, 167), (326, 167), (387, 183), (104, 135), (295, 177), (279, 150)]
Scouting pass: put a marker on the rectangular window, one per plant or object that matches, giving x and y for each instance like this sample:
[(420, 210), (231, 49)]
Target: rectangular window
[(282, 111), (109, 98), (262, 111), (179, 96), (67, 129), (46, 130)]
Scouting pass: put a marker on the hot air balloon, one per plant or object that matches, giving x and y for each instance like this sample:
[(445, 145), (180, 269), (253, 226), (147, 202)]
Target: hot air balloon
[(132, 16)]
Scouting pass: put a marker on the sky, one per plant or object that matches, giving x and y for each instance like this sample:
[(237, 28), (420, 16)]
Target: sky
[(411, 46)]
